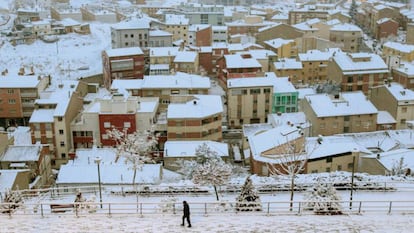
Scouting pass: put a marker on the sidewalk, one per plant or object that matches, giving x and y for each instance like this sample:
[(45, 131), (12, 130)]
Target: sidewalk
[(215, 223)]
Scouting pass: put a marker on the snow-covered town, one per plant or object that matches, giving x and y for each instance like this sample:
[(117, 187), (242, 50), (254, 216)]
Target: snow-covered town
[(206, 116)]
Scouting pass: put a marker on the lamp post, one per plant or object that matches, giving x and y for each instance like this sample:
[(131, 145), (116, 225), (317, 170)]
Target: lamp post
[(354, 151), (98, 162)]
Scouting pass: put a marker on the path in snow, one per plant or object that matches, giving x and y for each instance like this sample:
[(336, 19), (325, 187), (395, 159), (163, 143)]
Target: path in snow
[(218, 223)]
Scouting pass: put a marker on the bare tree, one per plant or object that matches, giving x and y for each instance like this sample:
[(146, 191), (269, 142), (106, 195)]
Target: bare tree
[(290, 161), (135, 148)]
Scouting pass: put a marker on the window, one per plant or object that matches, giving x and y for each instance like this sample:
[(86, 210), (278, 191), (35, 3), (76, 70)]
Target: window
[(350, 79), (10, 91), (107, 124), (62, 143), (328, 169), (12, 101), (339, 168), (132, 35), (266, 90), (329, 160), (126, 35), (63, 155), (127, 124), (105, 136), (61, 131), (254, 91), (350, 165), (322, 126), (404, 109), (60, 118), (403, 121)]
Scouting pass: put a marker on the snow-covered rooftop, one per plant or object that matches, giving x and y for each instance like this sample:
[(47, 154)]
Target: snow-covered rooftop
[(404, 48), (22, 153), (358, 63), (119, 52), (314, 55), (278, 42), (200, 106), (188, 148), (348, 103), (288, 64), (399, 92), (237, 61), (11, 81), (186, 56)]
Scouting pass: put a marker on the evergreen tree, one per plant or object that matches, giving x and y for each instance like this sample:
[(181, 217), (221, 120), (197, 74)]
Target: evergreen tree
[(323, 199), (248, 200)]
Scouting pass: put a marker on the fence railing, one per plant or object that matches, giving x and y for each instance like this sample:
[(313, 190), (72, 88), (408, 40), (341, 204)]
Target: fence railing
[(166, 189), (200, 208)]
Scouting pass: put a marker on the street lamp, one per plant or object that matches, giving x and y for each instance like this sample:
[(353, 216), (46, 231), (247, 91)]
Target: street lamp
[(354, 152), (98, 162)]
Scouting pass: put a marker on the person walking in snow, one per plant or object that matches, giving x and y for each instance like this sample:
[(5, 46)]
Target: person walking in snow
[(186, 214)]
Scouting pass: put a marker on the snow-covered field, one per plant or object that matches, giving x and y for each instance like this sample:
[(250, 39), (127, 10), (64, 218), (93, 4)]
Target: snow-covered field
[(72, 57)]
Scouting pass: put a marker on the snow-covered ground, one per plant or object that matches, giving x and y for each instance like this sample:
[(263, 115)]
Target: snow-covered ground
[(72, 57), (215, 223)]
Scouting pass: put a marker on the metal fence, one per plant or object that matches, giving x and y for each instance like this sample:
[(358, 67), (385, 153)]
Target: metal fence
[(199, 208)]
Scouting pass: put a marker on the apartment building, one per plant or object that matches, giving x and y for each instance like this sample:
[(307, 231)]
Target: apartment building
[(177, 25), (265, 57), (410, 33), (237, 66), (283, 48), (17, 98), (315, 66), (54, 111), (249, 100), (357, 71), (164, 87), (289, 67), (385, 28), (249, 25), (302, 15), (200, 35), (278, 30), (396, 100), (404, 75), (91, 12), (162, 56), (159, 38), (186, 61), (212, 14), (115, 111), (195, 117), (133, 32), (398, 50), (348, 35), (60, 11), (220, 34), (122, 63), (342, 113)]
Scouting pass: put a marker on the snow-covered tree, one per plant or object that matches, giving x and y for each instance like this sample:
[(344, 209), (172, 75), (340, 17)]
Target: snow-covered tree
[(204, 153), (213, 172), (322, 198), (135, 147), (248, 200), (186, 167)]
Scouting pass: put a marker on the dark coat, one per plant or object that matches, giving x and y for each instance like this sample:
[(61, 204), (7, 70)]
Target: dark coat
[(186, 209)]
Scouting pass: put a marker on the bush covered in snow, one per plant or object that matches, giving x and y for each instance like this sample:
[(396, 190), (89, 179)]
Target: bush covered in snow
[(322, 198), (248, 200)]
